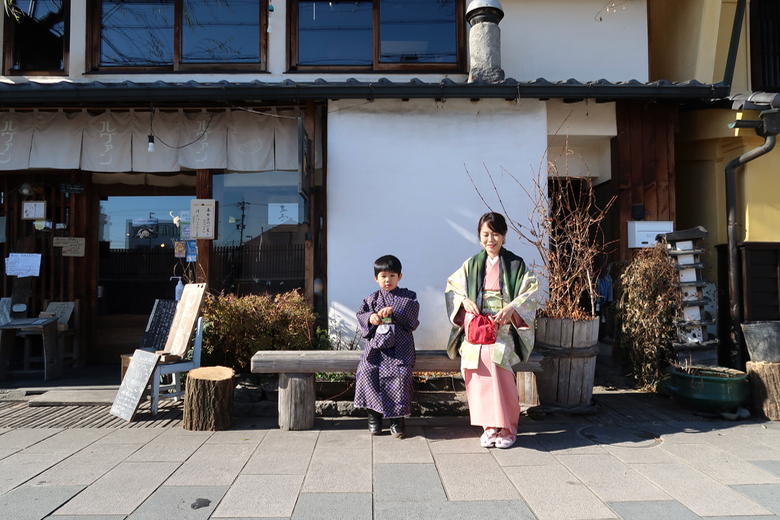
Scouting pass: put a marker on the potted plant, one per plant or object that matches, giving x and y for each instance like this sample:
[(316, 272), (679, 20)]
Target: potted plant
[(565, 228)]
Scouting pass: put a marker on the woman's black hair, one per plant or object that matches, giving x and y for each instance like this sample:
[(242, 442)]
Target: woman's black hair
[(494, 221), (387, 263)]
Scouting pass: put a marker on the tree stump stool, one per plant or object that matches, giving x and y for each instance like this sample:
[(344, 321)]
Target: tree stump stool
[(208, 399), (764, 381)]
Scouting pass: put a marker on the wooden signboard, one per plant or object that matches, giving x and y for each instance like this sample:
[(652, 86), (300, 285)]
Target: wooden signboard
[(159, 325), (136, 379), (62, 310), (184, 321)]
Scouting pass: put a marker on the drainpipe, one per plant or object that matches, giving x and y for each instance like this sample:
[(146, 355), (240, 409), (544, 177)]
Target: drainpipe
[(485, 40), (767, 127)]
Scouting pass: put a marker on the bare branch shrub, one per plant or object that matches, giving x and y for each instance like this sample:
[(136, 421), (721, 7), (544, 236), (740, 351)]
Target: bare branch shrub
[(566, 229), (647, 310)]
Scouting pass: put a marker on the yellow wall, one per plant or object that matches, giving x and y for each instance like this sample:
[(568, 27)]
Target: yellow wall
[(689, 39)]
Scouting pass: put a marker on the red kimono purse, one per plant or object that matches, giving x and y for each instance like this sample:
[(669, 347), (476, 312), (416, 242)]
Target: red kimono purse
[(481, 330)]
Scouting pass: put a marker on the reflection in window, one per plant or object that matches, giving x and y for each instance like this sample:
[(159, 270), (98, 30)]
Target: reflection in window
[(332, 33), (144, 32), (335, 33), (39, 34), (417, 31), (261, 243)]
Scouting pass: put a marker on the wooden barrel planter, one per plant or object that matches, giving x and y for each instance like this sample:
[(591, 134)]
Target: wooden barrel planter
[(569, 348)]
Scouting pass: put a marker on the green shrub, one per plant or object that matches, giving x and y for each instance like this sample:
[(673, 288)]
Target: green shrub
[(237, 327)]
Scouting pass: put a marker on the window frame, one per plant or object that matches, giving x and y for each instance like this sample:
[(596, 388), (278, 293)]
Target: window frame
[(94, 10), (9, 29), (460, 47)]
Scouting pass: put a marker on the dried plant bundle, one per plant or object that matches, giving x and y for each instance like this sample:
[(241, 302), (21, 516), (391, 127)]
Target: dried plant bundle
[(649, 305), (565, 227)]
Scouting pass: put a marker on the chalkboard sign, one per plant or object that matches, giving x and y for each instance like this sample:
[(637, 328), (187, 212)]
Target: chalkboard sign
[(159, 325), (137, 378)]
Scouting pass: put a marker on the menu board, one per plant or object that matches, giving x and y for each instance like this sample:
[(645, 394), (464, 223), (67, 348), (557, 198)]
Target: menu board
[(137, 378), (203, 218), (159, 325)]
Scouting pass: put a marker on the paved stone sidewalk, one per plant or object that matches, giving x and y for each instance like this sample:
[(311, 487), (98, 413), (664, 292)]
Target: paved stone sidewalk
[(628, 461)]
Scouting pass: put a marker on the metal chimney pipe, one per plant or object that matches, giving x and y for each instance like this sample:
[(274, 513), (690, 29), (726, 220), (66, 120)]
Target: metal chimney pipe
[(485, 40)]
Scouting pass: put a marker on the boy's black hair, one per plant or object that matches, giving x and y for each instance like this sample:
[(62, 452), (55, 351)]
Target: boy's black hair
[(387, 263)]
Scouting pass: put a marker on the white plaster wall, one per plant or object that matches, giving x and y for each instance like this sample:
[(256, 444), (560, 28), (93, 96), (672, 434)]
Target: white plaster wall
[(562, 39), (397, 184)]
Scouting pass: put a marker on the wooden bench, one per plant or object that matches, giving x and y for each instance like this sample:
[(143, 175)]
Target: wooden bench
[(297, 369)]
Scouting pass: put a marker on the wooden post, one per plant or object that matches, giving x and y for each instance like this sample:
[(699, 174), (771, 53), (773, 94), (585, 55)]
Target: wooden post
[(208, 399), (764, 381), (296, 401), (204, 189)]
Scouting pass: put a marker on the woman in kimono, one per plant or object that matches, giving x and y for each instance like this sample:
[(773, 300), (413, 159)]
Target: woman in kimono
[(497, 283)]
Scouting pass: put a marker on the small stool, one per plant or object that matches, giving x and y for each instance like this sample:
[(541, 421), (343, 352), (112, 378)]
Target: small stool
[(208, 399)]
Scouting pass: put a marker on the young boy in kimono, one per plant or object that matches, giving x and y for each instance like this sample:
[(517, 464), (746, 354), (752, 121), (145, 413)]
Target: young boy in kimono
[(384, 376)]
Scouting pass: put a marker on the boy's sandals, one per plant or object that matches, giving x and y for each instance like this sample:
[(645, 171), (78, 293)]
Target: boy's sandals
[(506, 440), (489, 437)]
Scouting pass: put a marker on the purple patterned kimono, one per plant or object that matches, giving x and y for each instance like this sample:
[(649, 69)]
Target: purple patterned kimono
[(384, 375)]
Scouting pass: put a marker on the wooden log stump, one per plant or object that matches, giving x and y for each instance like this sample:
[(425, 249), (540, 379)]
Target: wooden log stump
[(296, 401), (208, 399), (764, 381)]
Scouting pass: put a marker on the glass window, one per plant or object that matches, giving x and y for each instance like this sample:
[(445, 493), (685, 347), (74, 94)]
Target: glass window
[(180, 34), (136, 32), (38, 33), (262, 234), (335, 33), (378, 34), (415, 31)]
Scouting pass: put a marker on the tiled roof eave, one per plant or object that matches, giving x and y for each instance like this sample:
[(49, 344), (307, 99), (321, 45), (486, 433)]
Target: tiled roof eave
[(224, 93)]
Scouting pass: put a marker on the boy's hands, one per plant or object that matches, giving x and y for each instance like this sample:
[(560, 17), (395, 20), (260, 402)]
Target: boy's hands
[(376, 318)]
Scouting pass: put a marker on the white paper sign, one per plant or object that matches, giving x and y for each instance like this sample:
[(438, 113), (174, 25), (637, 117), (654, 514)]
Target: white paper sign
[(23, 264), (71, 246), (282, 214), (33, 210), (203, 218)]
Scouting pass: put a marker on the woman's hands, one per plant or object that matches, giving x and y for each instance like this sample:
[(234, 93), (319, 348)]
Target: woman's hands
[(504, 316), (470, 306)]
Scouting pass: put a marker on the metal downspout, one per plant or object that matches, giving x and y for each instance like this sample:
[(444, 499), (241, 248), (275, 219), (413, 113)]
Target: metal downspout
[(735, 286)]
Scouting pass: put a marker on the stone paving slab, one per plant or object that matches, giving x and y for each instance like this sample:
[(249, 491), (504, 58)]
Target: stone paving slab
[(407, 482), (701, 494), (277, 499), (131, 436), (476, 476), (167, 448), (121, 490), (721, 465), (742, 443), (30, 503), (500, 509), (86, 466), (411, 450), (21, 467), (768, 495), (282, 453), (654, 511), (611, 480), (24, 438), (527, 451), (454, 439), (328, 506), (74, 398), (554, 493), (212, 465), (343, 470), (180, 503)]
